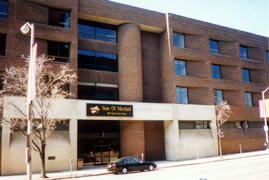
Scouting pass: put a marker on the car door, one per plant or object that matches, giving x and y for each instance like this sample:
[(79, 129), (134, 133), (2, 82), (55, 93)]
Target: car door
[(138, 164)]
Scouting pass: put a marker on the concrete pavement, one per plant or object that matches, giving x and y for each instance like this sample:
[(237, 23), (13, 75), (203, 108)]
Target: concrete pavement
[(101, 170)]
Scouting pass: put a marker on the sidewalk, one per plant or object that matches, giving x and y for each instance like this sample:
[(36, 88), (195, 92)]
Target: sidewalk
[(101, 170)]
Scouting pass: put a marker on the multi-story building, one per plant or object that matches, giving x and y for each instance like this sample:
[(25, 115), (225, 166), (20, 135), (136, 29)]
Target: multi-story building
[(155, 78)]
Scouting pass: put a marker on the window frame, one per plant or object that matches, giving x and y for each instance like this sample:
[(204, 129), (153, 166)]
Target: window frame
[(212, 50), (213, 71), (179, 92), (246, 75), (4, 12), (243, 52), (95, 27), (248, 99), (179, 40), (180, 67), (61, 22), (57, 57), (95, 58), (217, 99), (96, 91)]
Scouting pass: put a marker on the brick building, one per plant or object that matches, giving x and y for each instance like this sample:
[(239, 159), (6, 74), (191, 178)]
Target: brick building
[(170, 70)]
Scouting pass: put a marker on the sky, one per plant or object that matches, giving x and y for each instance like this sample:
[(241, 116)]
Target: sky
[(246, 15)]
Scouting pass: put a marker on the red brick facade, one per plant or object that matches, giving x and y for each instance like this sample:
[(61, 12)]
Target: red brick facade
[(149, 75)]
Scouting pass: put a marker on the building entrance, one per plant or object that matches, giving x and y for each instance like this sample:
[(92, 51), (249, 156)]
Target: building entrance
[(98, 141)]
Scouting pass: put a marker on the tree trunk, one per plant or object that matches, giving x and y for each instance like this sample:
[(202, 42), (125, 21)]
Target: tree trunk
[(43, 161), (220, 148)]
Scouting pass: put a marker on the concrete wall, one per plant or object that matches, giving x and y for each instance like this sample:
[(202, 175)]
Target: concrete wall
[(191, 143), (63, 144)]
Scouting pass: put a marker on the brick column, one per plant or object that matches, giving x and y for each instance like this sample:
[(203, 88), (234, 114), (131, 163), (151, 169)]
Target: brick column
[(130, 63), (130, 86)]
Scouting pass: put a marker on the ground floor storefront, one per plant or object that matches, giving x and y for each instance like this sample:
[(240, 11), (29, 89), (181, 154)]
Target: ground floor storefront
[(99, 132)]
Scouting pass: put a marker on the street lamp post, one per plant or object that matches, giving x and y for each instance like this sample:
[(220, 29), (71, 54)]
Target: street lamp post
[(25, 29), (265, 119)]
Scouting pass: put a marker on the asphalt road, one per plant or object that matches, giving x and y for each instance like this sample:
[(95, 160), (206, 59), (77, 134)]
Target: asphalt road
[(252, 168)]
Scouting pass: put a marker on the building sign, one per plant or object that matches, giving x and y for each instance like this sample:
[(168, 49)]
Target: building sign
[(109, 110)]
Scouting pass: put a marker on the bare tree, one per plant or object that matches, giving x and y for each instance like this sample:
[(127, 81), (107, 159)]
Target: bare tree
[(52, 81), (223, 110)]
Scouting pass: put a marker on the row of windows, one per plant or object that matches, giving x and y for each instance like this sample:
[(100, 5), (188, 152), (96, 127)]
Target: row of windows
[(226, 125), (218, 98), (98, 31), (194, 124), (242, 124), (181, 69), (183, 98), (179, 41)]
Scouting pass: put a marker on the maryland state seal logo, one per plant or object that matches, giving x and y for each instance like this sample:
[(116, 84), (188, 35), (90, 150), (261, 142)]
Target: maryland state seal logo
[(95, 110)]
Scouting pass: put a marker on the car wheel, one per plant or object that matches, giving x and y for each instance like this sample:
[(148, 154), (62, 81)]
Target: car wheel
[(151, 167), (124, 170)]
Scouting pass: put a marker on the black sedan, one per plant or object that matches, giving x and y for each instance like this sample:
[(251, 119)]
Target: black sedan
[(123, 165)]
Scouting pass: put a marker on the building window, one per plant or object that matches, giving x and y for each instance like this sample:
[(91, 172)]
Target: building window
[(248, 99), (186, 124), (202, 124), (62, 125), (2, 44), (218, 97), (216, 71), (59, 17), (214, 46), (97, 60), (267, 56), (98, 31), (4, 9), (98, 91), (246, 75), (243, 52), (182, 95), (180, 67), (59, 51), (179, 40)]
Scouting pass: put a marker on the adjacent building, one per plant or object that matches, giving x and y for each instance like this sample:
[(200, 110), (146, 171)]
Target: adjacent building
[(154, 79)]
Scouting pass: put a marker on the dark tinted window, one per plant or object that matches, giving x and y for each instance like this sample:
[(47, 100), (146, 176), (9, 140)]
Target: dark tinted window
[(98, 31), (3, 9), (98, 93), (2, 44), (59, 17), (59, 51), (186, 124), (97, 60)]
